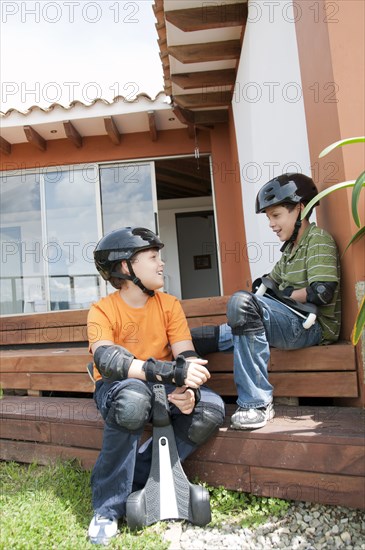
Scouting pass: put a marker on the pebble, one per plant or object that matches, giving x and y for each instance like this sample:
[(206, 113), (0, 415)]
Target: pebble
[(304, 526)]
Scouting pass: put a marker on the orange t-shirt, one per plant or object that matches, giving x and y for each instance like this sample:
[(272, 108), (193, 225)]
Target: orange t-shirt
[(145, 332)]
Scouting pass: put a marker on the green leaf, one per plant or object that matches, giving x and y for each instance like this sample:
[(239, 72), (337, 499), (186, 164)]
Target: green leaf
[(354, 238), (339, 144), (325, 192), (359, 323), (360, 182)]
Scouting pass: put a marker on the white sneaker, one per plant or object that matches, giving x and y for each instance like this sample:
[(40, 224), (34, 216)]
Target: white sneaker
[(102, 529), (251, 419)]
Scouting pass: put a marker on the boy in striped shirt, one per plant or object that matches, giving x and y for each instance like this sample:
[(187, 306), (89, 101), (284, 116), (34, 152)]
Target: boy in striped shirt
[(308, 271)]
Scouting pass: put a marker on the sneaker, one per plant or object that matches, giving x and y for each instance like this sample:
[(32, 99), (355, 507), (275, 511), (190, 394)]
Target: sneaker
[(251, 419), (102, 529)]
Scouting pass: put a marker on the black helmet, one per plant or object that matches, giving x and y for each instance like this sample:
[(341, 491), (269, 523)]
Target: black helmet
[(289, 188), (123, 244)]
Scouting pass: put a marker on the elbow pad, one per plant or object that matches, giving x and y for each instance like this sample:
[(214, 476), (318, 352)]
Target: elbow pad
[(166, 372), (320, 294), (113, 362)]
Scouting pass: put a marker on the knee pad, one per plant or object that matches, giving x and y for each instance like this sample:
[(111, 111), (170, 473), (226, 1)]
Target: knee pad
[(131, 407), (244, 313), (205, 339), (198, 426)]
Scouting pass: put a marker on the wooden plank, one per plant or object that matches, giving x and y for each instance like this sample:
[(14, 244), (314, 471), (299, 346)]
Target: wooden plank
[(52, 409), (339, 356), (20, 381), (204, 99), (208, 16), (43, 320), (287, 455), (27, 452), (151, 115), (201, 307), (76, 435), (5, 146), (311, 384), (52, 334), (208, 117), (61, 382), (72, 134), (206, 321), (112, 130), (34, 138), (330, 425), (232, 476), (27, 430), (202, 53), (205, 79), (45, 360), (312, 487), (68, 382), (315, 384)]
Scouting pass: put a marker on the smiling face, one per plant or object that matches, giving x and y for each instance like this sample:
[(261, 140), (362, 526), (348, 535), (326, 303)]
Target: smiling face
[(148, 267), (282, 220)]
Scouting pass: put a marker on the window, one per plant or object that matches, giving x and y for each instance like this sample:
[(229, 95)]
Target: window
[(50, 223)]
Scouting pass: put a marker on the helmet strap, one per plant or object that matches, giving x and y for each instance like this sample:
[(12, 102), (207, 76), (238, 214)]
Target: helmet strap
[(132, 277), (297, 226)]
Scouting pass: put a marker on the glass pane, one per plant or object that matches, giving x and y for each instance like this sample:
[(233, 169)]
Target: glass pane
[(127, 198), (22, 275), (71, 222)]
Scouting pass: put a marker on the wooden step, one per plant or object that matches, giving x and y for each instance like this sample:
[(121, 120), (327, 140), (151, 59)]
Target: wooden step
[(305, 453)]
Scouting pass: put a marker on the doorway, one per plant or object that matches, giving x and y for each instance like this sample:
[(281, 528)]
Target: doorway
[(186, 218), (197, 248)]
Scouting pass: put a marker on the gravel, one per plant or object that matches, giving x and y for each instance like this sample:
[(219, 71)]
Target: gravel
[(304, 526)]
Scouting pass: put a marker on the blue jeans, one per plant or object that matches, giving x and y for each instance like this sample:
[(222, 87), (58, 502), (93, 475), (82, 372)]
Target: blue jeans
[(251, 351), (122, 467)]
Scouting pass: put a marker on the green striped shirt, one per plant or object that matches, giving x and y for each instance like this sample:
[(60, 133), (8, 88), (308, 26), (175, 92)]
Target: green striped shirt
[(315, 258)]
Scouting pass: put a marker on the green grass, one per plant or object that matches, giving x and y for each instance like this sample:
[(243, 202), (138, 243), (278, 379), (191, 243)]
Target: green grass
[(49, 507)]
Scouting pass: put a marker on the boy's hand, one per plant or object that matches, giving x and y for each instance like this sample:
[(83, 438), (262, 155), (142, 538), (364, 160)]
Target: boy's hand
[(197, 373), (183, 399)]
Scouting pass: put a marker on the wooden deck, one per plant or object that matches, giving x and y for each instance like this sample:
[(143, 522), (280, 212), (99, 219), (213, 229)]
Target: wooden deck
[(305, 453)]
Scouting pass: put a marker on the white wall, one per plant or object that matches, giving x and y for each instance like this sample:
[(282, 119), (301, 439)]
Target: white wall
[(167, 226), (269, 116)]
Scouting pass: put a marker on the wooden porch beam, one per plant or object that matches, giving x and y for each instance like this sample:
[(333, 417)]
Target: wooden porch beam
[(209, 51), (200, 118), (5, 146), (34, 138), (202, 100), (72, 134), (208, 17), (112, 130), (152, 124), (205, 79)]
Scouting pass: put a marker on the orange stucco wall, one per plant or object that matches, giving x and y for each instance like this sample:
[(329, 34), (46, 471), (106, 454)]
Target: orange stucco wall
[(332, 70), (174, 142), (231, 228)]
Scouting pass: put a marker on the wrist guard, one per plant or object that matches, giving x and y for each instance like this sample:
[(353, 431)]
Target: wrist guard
[(113, 362), (166, 372)]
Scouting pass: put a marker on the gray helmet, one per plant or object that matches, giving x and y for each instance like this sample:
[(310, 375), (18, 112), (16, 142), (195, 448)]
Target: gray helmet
[(289, 188), (123, 244)]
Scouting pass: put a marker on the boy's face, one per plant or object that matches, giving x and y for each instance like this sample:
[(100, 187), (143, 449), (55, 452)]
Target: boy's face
[(148, 267), (281, 221)]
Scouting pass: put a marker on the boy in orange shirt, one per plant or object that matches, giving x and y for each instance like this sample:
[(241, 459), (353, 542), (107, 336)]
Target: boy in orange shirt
[(138, 337)]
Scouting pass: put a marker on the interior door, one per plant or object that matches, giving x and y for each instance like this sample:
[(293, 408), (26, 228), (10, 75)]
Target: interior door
[(197, 254)]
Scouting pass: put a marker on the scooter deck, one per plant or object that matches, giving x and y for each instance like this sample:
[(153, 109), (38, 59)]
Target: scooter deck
[(168, 494)]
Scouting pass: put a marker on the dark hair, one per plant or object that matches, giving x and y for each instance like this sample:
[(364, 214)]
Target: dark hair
[(290, 207)]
